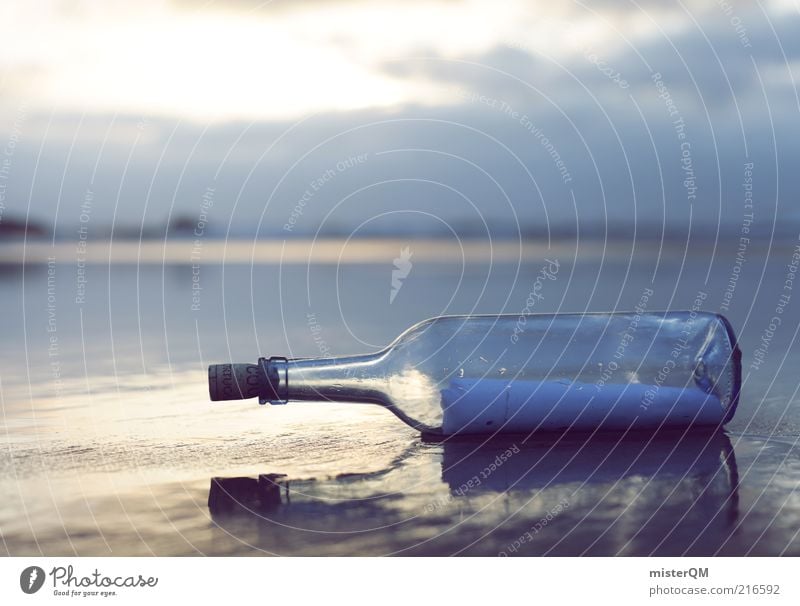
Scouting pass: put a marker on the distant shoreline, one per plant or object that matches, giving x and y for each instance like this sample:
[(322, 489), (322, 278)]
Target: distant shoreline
[(339, 250)]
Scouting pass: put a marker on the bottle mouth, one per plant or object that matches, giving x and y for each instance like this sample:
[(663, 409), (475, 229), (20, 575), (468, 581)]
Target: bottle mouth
[(263, 380), (234, 381)]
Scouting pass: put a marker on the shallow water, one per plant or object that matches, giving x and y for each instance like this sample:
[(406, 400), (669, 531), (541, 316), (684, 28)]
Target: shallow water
[(109, 443)]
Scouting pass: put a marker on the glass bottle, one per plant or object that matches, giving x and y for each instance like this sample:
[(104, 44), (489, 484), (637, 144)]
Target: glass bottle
[(481, 374)]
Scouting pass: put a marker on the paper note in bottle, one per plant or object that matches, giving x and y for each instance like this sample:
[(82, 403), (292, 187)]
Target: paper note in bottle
[(483, 374)]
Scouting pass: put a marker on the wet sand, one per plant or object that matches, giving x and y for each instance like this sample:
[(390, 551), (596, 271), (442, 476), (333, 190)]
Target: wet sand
[(109, 446)]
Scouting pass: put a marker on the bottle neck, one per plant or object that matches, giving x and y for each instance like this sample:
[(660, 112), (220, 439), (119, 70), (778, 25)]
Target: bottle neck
[(341, 379), (345, 379)]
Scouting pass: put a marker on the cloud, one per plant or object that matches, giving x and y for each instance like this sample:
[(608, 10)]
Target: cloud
[(481, 130)]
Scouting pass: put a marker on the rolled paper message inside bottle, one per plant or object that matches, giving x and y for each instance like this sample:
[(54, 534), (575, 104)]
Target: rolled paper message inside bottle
[(475, 405), (539, 372)]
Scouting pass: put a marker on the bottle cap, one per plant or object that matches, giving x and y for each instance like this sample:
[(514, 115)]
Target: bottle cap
[(235, 381)]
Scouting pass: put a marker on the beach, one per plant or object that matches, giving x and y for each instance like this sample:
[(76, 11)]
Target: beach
[(110, 443)]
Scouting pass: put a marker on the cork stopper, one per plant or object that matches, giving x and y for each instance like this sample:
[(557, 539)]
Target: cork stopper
[(235, 381)]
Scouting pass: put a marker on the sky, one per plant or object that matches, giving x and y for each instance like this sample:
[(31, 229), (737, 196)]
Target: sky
[(354, 117)]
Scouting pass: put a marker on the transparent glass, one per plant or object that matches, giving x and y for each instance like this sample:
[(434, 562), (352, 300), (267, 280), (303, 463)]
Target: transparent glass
[(484, 374)]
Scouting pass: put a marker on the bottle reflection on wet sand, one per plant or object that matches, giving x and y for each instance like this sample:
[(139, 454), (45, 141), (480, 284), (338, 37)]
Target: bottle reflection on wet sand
[(570, 495)]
